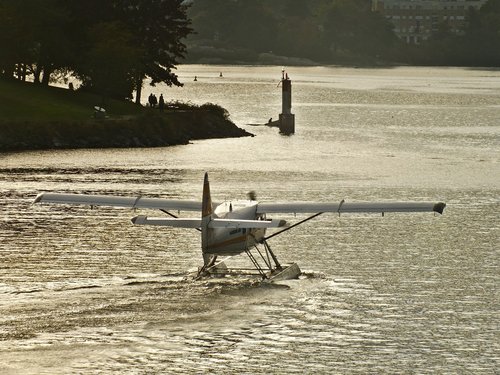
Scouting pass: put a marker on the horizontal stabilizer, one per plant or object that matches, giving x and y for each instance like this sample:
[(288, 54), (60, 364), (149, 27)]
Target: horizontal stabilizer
[(235, 223), (165, 222), (115, 201), (214, 223)]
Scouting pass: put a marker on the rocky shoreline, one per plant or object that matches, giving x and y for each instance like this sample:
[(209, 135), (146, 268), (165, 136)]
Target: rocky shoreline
[(146, 130)]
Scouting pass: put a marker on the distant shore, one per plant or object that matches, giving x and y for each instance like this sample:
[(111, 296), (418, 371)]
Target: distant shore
[(210, 55)]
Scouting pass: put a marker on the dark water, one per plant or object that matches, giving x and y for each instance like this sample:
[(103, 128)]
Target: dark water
[(83, 291)]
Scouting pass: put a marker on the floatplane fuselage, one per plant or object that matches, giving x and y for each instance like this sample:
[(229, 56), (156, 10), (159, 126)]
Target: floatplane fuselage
[(234, 227)]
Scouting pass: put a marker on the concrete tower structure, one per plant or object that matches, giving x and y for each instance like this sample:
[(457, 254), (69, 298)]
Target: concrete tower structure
[(286, 117)]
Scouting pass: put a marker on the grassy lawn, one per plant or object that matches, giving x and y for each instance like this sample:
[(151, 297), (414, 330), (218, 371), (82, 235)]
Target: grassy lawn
[(23, 101)]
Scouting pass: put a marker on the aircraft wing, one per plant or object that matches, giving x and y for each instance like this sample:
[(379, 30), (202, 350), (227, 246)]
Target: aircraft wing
[(116, 201), (344, 207)]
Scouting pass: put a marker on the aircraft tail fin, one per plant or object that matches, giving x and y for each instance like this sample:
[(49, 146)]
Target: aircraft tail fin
[(206, 205), (206, 217)]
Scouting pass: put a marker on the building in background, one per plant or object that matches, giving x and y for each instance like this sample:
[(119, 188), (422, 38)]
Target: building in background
[(416, 20)]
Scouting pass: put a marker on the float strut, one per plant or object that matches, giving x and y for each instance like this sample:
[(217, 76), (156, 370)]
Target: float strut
[(270, 252)]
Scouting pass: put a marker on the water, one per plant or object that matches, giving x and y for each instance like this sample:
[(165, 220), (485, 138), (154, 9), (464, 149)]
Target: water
[(83, 291)]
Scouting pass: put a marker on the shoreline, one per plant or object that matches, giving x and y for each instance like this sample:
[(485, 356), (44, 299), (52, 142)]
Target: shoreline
[(36, 117), (146, 130)]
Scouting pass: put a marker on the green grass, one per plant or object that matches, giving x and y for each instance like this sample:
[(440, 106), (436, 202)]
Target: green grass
[(24, 101), (34, 117)]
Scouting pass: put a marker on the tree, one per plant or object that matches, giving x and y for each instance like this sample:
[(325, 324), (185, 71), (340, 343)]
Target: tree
[(112, 61), (482, 39), (479, 46), (235, 24), (157, 28), (34, 38), (10, 41), (80, 36), (353, 30)]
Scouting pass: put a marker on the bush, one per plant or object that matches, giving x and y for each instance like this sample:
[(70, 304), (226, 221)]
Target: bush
[(216, 109)]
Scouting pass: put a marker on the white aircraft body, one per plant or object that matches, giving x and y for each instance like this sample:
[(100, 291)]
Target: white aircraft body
[(234, 227)]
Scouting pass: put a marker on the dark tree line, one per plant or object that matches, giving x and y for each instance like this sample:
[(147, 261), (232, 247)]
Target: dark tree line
[(334, 31), (478, 46), (329, 31), (110, 45)]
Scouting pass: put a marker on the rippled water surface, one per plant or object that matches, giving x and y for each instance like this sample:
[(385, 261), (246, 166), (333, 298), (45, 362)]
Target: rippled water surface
[(83, 291)]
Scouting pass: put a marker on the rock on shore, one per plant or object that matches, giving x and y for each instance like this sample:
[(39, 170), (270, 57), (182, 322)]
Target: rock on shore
[(147, 130)]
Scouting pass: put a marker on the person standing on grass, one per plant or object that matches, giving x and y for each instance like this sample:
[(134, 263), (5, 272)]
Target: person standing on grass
[(161, 103)]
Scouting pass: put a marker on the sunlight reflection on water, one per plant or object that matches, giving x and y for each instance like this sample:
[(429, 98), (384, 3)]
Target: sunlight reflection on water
[(84, 291)]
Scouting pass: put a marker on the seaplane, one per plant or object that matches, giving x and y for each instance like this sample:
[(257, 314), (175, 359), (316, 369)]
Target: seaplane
[(231, 228)]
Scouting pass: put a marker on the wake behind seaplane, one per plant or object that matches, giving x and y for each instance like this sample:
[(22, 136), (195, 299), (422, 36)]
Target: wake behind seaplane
[(234, 227)]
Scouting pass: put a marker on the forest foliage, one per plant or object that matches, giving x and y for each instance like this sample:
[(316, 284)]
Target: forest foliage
[(333, 32), (111, 46)]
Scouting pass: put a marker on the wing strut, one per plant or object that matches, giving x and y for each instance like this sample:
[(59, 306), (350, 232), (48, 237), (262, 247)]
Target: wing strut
[(291, 226), (175, 217)]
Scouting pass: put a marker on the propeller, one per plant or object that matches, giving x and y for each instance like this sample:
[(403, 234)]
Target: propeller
[(251, 195)]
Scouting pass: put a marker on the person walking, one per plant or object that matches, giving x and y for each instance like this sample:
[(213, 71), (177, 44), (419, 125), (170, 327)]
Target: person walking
[(161, 103)]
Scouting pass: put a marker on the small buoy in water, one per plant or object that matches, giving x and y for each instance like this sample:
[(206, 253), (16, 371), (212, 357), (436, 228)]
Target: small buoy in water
[(195, 78), (220, 74)]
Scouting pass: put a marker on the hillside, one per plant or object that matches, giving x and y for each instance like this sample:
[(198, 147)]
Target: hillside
[(36, 117)]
